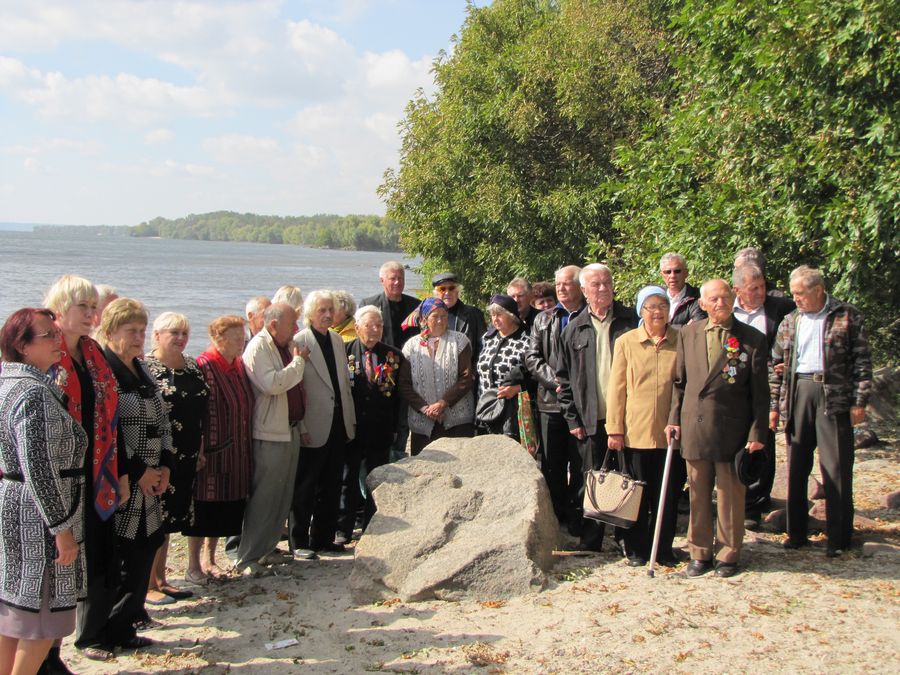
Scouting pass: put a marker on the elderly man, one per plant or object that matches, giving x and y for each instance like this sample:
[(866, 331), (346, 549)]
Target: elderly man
[(461, 317), (683, 305), (275, 367), (753, 256), (764, 313), (395, 306), (519, 289), (587, 349), (254, 311), (821, 393), (719, 404), (543, 358), (329, 424)]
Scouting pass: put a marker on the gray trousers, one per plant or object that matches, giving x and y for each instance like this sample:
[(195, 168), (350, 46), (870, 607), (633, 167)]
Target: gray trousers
[(274, 468)]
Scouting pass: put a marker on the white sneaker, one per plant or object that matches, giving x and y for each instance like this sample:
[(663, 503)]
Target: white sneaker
[(305, 554), (255, 571)]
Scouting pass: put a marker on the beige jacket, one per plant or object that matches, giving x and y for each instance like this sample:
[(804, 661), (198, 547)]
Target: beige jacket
[(320, 394), (271, 379), (640, 388)]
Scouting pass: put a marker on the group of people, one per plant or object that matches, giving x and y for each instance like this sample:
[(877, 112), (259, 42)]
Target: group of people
[(106, 448)]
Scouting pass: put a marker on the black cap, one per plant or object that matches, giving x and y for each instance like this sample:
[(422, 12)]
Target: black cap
[(507, 303), (749, 465), (444, 278)]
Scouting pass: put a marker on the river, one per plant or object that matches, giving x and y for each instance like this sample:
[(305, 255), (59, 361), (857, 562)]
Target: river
[(201, 279)]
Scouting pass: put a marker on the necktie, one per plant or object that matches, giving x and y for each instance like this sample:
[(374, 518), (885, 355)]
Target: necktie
[(370, 366), (715, 338)]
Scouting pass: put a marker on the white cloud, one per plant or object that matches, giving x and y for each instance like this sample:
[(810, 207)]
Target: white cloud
[(237, 148), (55, 145), (159, 136), (31, 165)]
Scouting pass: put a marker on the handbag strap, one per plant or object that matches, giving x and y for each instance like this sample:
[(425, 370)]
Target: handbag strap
[(623, 469)]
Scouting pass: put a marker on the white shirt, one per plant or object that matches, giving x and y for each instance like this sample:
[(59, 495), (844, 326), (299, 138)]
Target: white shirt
[(811, 340), (676, 300), (756, 318)]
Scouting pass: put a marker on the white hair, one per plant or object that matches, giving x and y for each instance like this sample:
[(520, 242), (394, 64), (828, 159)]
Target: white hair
[(574, 270), (255, 304), (746, 274), (390, 266), (344, 301), (494, 308), (710, 282), (671, 255), (290, 295), (313, 300), (367, 309), (105, 291), (593, 267), (168, 321), (810, 276)]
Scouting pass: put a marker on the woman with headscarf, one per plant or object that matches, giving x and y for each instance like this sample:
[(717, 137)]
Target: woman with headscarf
[(637, 411), (436, 377), (501, 369)]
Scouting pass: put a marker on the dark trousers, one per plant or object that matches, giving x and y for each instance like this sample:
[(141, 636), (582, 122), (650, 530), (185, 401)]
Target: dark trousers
[(758, 493), (129, 598), (374, 454), (104, 569), (833, 434), (418, 442), (561, 456), (317, 489), (648, 466), (591, 452)]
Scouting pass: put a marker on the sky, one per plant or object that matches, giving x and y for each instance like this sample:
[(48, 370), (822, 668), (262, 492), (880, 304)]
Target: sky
[(118, 111)]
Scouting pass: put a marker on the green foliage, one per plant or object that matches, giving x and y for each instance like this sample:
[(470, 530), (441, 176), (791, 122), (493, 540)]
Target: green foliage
[(506, 170), (362, 233), (782, 134)]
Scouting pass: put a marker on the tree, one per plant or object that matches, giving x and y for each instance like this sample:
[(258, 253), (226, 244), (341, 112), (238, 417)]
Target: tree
[(782, 134), (507, 169)]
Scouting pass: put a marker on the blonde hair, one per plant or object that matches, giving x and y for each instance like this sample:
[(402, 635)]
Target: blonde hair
[(117, 314), (69, 290), (168, 321), (289, 295)]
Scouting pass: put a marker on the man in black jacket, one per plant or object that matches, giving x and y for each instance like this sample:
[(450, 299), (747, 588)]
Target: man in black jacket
[(461, 317), (519, 289), (587, 349), (543, 358), (764, 312), (395, 306), (684, 306)]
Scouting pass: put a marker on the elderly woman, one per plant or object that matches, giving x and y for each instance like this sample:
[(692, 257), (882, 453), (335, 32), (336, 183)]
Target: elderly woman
[(186, 397), (223, 484), (91, 397), (289, 295), (344, 309), (42, 458), (329, 423), (637, 411), (501, 370), (374, 372), (436, 378), (145, 433)]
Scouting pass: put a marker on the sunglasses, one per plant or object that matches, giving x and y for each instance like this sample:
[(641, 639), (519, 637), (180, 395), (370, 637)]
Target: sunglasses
[(446, 289), (667, 272)]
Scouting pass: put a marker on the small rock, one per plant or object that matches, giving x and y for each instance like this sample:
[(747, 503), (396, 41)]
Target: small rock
[(814, 489), (871, 548), (883, 399), (864, 438), (780, 484), (892, 500), (776, 521)]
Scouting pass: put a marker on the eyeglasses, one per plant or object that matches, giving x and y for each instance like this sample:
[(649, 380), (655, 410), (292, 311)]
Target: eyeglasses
[(668, 272), (53, 334), (446, 289), (656, 308)]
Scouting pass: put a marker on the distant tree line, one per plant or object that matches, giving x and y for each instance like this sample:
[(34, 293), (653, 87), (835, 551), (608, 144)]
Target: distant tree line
[(361, 233)]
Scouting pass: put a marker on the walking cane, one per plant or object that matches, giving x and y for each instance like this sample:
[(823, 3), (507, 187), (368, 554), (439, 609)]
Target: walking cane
[(660, 512)]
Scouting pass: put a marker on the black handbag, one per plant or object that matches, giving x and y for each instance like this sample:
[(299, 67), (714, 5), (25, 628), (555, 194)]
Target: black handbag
[(489, 408)]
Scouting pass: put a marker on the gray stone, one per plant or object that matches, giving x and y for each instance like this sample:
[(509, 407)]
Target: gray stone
[(864, 438), (467, 518), (892, 500), (871, 548), (817, 519), (776, 521), (814, 489), (882, 403), (780, 485)]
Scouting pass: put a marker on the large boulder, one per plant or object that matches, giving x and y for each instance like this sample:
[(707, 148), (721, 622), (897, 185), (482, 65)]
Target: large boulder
[(467, 518)]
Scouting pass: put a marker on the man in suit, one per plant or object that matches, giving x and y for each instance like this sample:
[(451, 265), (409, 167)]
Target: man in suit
[(763, 312), (684, 307), (461, 317), (329, 423), (276, 369), (719, 405), (587, 349), (820, 380), (395, 306)]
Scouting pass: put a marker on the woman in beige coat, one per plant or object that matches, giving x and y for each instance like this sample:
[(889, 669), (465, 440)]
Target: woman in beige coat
[(637, 411)]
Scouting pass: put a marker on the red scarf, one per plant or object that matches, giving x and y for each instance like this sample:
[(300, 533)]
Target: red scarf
[(106, 419)]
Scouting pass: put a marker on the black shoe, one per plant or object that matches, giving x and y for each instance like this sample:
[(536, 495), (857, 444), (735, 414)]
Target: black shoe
[(333, 547), (136, 642), (752, 523), (725, 570), (636, 561), (53, 664), (341, 538), (97, 653), (147, 624), (833, 552), (793, 544), (697, 568), (667, 562)]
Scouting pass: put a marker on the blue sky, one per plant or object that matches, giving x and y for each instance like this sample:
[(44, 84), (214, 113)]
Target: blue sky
[(115, 111)]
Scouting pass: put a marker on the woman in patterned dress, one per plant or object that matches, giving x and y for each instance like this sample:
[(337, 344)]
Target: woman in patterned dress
[(186, 397), (41, 456), (223, 484), (145, 433), (501, 366)]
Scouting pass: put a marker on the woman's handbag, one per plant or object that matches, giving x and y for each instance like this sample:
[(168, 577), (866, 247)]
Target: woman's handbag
[(612, 497), (489, 407)]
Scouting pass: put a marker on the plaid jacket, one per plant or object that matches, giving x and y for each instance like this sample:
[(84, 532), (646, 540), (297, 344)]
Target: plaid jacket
[(848, 362)]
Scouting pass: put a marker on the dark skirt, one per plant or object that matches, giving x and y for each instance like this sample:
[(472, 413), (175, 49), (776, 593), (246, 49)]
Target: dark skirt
[(217, 519)]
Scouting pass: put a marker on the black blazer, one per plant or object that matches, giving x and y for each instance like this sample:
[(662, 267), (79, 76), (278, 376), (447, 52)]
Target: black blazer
[(376, 410), (407, 304), (470, 322), (577, 371), (776, 308)]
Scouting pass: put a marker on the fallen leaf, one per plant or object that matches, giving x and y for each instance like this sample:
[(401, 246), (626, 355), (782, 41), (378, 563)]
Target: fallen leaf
[(492, 604)]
